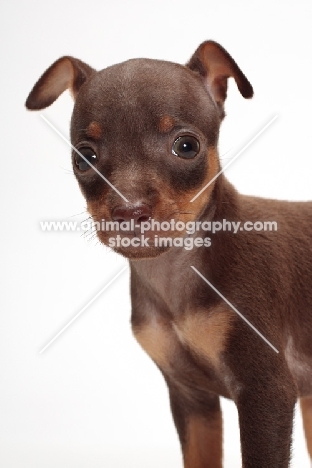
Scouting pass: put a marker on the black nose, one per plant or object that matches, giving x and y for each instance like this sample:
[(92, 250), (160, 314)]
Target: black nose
[(139, 212)]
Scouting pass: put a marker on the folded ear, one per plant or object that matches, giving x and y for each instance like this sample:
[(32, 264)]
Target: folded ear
[(66, 73), (216, 65)]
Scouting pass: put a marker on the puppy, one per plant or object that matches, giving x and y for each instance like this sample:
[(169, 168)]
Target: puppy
[(221, 313)]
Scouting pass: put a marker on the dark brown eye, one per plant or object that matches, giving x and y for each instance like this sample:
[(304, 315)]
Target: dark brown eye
[(186, 147), (85, 157)]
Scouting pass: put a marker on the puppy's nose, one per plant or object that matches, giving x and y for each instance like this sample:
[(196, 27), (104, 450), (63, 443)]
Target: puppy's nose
[(139, 212)]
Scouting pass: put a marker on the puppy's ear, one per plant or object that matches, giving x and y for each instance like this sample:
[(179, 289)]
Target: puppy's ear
[(66, 73), (216, 65)]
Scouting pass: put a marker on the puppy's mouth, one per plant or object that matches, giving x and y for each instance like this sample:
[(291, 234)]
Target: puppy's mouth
[(144, 236), (133, 244), (142, 229)]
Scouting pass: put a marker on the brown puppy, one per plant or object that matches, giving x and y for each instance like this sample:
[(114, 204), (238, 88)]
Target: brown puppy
[(151, 129)]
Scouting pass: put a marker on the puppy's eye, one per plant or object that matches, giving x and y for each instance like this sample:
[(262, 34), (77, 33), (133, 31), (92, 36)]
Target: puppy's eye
[(186, 147), (82, 163)]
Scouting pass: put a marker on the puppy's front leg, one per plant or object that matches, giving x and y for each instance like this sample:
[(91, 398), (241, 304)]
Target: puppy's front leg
[(199, 425), (266, 419), (306, 408)]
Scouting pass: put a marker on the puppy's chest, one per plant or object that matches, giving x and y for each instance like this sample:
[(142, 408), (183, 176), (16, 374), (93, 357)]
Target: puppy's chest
[(188, 348)]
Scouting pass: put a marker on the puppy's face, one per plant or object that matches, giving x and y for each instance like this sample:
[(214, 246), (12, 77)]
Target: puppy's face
[(151, 129), (146, 133)]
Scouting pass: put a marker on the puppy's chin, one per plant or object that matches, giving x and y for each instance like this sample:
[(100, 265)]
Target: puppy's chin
[(141, 253), (135, 250)]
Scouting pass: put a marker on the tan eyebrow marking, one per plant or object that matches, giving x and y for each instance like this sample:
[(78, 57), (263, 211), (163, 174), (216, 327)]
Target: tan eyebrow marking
[(166, 123), (94, 130)]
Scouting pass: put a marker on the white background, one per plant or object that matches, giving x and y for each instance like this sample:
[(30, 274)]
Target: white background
[(94, 399)]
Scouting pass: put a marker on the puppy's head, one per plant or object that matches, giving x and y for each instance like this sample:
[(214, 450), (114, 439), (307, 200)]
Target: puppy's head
[(145, 133)]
